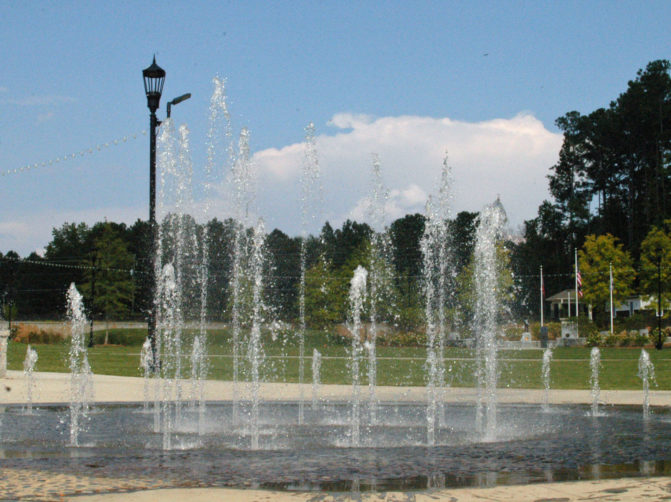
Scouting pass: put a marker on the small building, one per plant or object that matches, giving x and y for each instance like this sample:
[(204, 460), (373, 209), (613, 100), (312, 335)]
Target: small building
[(563, 303), (560, 309)]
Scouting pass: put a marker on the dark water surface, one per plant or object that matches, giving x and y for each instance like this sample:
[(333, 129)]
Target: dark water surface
[(530, 446)]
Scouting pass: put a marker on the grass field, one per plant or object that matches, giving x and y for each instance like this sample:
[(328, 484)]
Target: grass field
[(396, 365)]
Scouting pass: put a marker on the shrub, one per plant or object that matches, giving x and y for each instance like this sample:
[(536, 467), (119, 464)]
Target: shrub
[(120, 337), (639, 320), (512, 331), (338, 335), (610, 340), (405, 339), (31, 334), (640, 340), (594, 340), (587, 328)]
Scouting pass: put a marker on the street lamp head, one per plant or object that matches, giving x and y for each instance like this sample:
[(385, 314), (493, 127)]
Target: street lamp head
[(154, 77)]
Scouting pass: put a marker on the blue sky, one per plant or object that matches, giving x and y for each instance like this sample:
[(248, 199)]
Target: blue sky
[(405, 80)]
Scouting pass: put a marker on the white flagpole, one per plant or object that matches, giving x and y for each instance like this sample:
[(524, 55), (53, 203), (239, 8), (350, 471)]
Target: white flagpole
[(577, 311), (541, 296), (611, 298)]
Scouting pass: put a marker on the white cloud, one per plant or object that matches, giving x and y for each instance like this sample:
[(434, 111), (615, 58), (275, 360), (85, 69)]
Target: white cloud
[(409, 200), (506, 157)]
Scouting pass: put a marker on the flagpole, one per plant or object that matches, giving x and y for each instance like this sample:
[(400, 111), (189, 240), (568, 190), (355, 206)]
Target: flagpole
[(542, 296), (611, 298)]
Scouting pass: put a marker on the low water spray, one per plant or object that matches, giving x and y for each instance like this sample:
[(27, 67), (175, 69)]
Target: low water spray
[(316, 370), (198, 375), (81, 378), (146, 366), (545, 373), (595, 365), (646, 372), (28, 368)]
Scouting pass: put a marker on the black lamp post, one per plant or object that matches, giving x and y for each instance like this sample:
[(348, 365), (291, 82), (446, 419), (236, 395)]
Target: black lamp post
[(154, 78)]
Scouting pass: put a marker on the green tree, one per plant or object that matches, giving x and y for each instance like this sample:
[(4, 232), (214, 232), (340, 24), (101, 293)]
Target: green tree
[(405, 235), (596, 257), (282, 290), (114, 286), (615, 156), (655, 269)]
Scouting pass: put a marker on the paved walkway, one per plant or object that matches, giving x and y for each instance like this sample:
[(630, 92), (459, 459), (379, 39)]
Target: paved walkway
[(32, 484), (55, 388)]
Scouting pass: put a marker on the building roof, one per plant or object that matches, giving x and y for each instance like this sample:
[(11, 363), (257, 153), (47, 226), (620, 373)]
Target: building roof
[(562, 296)]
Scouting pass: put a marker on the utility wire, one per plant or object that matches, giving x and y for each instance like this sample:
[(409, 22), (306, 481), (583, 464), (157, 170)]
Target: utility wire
[(72, 156)]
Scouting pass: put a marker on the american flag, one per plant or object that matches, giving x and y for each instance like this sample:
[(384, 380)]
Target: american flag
[(578, 278)]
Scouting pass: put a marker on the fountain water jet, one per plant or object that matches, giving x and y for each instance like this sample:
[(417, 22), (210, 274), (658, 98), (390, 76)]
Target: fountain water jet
[(316, 369), (310, 198), (146, 366), (486, 277), (255, 351), (646, 372), (81, 378), (545, 373), (244, 199), (379, 277), (28, 368), (595, 365), (357, 295), (436, 277)]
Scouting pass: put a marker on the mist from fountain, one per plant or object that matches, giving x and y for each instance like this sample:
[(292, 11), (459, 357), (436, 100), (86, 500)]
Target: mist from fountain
[(81, 377), (357, 296), (28, 368), (488, 237), (646, 372)]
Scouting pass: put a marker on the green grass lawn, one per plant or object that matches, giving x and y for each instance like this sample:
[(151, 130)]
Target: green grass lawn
[(396, 365)]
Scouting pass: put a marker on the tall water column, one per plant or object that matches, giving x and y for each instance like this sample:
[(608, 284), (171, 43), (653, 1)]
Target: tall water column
[(486, 278)]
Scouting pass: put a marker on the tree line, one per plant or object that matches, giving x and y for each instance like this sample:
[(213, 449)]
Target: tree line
[(109, 262)]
